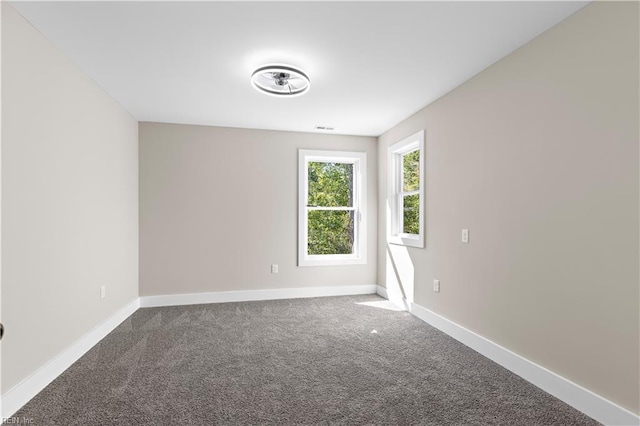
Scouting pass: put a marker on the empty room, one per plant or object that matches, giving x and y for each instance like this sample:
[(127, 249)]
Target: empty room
[(376, 213)]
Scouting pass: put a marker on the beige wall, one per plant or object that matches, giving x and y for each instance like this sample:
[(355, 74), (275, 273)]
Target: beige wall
[(538, 157), (69, 202), (218, 206)]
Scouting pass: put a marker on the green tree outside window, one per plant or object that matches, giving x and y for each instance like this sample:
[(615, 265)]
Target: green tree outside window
[(330, 186)]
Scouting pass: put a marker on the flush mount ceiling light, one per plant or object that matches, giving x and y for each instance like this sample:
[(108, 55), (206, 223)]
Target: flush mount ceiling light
[(280, 80)]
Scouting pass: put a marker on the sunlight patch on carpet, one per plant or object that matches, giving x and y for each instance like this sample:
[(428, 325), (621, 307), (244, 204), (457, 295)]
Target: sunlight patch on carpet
[(383, 304)]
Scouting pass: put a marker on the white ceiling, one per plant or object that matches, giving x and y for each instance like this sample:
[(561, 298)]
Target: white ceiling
[(371, 64)]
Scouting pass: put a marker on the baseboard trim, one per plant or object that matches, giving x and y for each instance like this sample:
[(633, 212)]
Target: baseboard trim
[(253, 295), (20, 394), (393, 297), (591, 404), (382, 292), (24, 391), (588, 402)]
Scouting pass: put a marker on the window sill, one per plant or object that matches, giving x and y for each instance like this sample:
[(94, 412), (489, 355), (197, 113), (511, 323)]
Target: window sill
[(407, 241), (333, 261)]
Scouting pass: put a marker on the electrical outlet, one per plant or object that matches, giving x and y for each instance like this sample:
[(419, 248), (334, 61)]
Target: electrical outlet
[(465, 236), (103, 291), (274, 268), (436, 286)]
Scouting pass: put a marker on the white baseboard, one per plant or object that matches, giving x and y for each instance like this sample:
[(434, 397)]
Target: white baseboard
[(253, 295), (394, 297), (382, 292), (575, 395), (20, 394), (591, 404)]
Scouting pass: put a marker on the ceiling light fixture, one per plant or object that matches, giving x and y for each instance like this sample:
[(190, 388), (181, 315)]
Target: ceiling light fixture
[(280, 80)]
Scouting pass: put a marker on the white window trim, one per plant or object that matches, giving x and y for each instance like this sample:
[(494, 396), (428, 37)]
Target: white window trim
[(359, 160), (394, 155)]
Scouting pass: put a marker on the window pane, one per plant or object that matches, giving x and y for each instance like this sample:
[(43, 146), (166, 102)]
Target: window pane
[(330, 184), (330, 232), (411, 171), (411, 214)]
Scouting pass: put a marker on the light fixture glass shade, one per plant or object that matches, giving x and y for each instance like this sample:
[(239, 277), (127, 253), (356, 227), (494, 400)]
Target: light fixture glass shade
[(280, 80)]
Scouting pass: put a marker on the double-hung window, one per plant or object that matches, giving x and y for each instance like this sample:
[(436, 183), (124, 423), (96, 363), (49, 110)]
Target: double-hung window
[(406, 191), (331, 208)]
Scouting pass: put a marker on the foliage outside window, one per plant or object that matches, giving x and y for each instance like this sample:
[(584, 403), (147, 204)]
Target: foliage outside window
[(406, 191), (331, 219)]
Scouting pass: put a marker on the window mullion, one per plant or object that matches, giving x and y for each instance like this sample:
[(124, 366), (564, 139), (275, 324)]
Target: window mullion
[(330, 208), (398, 187)]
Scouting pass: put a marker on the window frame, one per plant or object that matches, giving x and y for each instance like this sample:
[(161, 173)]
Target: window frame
[(359, 161), (396, 194)]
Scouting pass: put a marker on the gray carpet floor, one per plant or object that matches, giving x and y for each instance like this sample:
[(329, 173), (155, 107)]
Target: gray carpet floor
[(334, 360)]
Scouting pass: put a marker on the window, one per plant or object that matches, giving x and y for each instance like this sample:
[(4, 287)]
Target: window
[(406, 191), (331, 201)]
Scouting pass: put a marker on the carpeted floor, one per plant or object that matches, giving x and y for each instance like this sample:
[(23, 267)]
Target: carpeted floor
[(334, 360)]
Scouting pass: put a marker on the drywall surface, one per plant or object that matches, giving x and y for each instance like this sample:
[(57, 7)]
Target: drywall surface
[(69, 202), (218, 206), (538, 157)]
